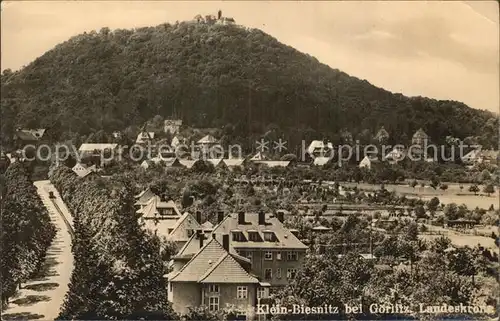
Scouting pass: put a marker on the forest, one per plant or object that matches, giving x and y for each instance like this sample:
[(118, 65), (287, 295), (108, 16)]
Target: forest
[(214, 76)]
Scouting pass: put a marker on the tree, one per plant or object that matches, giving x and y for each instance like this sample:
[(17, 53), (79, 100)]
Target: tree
[(414, 183), (420, 212), (443, 187), (474, 188), (485, 176), (433, 204), (434, 182), (451, 211), (489, 189)]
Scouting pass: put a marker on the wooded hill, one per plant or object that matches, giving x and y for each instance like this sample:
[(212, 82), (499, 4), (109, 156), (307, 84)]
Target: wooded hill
[(212, 76)]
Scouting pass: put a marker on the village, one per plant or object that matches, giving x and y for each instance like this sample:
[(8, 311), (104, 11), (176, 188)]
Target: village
[(244, 236)]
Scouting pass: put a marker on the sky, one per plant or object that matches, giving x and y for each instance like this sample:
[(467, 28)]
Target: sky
[(442, 50)]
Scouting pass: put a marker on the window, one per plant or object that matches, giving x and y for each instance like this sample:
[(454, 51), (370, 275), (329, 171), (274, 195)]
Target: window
[(292, 256), (213, 288), (238, 237), (278, 256), (246, 254), (269, 236), (268, 256), (268, 274), (213, 303), (170, 286), (291, 273), (261, 292), (254, 237), (278, 273), (242, 292)]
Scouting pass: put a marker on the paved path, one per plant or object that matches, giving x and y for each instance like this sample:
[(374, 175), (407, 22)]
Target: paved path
[(41, 298)]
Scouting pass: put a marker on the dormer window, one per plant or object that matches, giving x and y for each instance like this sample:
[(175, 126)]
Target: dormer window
[(269, 236), (238, 236), (254, 236)]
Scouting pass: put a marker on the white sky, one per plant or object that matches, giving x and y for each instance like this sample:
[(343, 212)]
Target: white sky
[(443, 50)]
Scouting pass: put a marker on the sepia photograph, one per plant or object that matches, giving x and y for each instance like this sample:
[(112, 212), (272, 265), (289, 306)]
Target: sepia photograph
[(249, 160)]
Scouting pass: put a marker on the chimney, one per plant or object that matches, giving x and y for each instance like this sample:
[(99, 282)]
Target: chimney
[(281, 216), (241, 218), (262, 218), (198, 217), (225, 242), (201, 237), (220, 216)]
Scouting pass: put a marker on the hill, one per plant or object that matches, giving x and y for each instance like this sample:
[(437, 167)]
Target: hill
[(211, 76)]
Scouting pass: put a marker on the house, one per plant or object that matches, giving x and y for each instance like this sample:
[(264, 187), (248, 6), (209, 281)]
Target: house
[(395, 155), (144, 197), (321, 161), (145, 137), (215, 278), (30, 135), (188, 163), (177, 141), (270, 163), (276, 254), (173, 125), (96, 148), (258, 157), (478, 156), (207, 140), (159, 216), (149, 162), (82, 170), (183, 229), (218, 163), (231, 163), (319, 148), (382, 135), (367, 162), (420, 138)]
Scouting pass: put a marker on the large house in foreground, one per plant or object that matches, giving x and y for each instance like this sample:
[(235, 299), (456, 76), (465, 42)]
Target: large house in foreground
[(276, 254), (212, 277)]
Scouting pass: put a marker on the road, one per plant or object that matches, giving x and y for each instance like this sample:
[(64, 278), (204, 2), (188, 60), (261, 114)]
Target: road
[(41, 298)]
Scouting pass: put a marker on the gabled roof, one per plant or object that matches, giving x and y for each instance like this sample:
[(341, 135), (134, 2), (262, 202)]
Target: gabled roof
[(212, 262), (258, 157), (190, 219), (144, 196), (173, 162), (83, 170), (90, 147), (30, 134), (155, 203), (144, 136), (319, 144), (208, 139), (320, 161), (232, 162), (382, 133), (285, 239), (227, 270), (216, 161), (274, 163), (188, 163), (420, 134)]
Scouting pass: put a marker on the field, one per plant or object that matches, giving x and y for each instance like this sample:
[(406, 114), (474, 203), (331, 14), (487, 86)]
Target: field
[(452, 195), (462, 239)]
